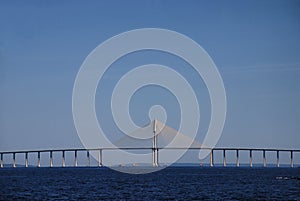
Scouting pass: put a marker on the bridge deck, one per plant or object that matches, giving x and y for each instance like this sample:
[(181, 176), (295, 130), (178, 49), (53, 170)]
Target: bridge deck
[(155, 152)]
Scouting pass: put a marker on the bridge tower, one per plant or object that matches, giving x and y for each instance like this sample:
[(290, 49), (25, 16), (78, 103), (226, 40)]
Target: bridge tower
[(154, 146)]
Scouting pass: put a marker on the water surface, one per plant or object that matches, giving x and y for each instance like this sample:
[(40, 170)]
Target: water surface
[(172, 183)]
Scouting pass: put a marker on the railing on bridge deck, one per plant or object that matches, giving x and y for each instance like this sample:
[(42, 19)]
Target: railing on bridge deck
[(155, 152)]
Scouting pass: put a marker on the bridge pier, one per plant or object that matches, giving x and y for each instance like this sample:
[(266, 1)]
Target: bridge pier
[(237, 158), (14, 160), (26, 159), (292, 161), (100, 158), (75, 159), (157, 164), (211, 164), (88, 159), (63, 164), (1, 160), (251, 164), (51, 159), (277, 157), (264, 158), (224, 158), (155, 157), (39, 159)]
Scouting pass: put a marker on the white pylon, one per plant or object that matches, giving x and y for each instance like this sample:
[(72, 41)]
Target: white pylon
[(154, 147)]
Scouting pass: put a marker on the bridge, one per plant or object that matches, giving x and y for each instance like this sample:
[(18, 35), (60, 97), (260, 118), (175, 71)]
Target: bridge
[(155, 152), (156, 129)]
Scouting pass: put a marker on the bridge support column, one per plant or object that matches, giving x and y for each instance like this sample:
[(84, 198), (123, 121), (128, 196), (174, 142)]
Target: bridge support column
[(224, 157), (100, 158), (14, 160), (63, 164), (26, 159), (75, 159), (51, 159), (237, 158), (292, 161), (1, 160), (277, 156), (154, 157), (264, 158), (211, 158), (88, 162), (157, 164), (251, 164), (39, 159)]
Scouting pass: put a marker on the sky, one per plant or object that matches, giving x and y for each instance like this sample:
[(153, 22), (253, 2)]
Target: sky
[(254, 44)]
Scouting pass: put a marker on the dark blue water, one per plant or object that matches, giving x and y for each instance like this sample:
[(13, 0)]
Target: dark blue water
[(173, 183)]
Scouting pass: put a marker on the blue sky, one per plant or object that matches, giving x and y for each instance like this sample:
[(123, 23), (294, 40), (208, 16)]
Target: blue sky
[(254, 44)]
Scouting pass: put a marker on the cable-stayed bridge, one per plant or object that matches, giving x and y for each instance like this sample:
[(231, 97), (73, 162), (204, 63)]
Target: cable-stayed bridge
[(153, 138)]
